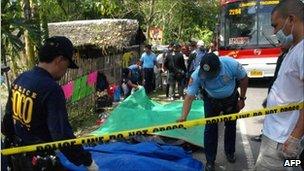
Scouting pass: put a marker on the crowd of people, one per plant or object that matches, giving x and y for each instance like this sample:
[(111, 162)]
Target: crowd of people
[(167, 70), (36, 108)]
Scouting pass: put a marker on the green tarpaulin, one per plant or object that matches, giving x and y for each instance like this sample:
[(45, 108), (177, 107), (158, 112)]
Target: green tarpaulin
[(138, 111)]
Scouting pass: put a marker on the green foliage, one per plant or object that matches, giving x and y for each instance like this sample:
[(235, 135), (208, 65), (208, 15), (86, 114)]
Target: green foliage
[(13, 26), (204, 34), (184, 19), (180, 20)]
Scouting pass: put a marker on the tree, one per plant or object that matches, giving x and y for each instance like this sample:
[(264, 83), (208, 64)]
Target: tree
[(179, 19), (28, 53)]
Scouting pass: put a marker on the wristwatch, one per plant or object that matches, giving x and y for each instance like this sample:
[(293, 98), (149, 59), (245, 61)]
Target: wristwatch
[(243, 98)]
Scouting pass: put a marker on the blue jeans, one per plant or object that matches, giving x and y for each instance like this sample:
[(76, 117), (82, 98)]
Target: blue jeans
[(213, 107)]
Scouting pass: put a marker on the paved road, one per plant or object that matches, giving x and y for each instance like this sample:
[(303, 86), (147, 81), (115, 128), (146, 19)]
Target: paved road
[(246, 150)]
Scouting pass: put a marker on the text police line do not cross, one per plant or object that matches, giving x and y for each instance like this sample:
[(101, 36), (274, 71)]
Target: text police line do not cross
[(150, 130)]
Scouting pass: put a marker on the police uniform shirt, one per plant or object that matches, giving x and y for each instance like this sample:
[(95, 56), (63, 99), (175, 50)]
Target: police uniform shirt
[(135, 73), (148, 60), (223, 84), (36, 112)]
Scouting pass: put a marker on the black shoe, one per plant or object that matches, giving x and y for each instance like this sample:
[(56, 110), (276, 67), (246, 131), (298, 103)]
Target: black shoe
[(230, 158), (209, 167)]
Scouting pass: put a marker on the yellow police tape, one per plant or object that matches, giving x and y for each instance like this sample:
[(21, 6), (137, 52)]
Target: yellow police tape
[(150, 130)]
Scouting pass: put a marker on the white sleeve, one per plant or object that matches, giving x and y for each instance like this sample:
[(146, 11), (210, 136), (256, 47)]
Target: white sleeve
[(300, 65)]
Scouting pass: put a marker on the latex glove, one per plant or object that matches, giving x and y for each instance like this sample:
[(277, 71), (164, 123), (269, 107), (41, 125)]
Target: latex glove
[(292, 147), (93, 166)]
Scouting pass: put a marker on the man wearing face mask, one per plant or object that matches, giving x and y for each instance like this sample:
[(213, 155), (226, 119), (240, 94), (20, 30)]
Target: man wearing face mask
[(218, 77), (36, 111), (283, 132)]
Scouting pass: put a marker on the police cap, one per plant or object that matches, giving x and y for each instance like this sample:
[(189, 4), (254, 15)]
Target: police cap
[(210, 65), (57, 45)]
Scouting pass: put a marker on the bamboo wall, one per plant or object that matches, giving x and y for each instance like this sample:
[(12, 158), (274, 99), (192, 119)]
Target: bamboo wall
[(109, 64)]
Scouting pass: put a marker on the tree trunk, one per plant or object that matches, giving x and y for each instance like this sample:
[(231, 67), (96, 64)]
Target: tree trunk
[(29, 47)]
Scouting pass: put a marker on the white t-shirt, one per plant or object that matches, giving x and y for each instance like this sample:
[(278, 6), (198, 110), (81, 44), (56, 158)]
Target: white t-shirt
[(287, 88), (159, 61)]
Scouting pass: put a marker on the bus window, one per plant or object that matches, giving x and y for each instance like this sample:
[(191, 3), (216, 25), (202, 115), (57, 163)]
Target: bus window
[(266, 35), (241, 24), (246, 24)]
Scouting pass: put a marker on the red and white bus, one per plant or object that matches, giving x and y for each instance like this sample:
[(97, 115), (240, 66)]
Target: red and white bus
[(246, 34)]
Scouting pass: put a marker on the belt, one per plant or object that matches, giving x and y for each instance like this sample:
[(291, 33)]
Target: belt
[(235, 94)]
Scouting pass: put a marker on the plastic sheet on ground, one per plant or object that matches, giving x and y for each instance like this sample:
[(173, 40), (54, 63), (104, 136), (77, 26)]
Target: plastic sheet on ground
[(137, 157), (139, 111)]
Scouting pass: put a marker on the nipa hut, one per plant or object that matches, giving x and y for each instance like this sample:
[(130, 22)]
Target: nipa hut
[(100, 45)]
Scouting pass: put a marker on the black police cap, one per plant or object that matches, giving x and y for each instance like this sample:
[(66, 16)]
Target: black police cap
[(57, 45), (210, 64)]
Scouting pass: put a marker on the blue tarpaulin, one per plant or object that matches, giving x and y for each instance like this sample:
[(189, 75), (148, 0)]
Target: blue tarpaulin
[(138, 157)]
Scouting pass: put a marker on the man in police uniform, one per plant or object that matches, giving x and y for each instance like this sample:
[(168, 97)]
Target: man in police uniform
[(36, 108), (147, 61), (218, 77)]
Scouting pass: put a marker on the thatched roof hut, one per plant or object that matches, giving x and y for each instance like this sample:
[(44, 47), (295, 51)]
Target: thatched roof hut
[(103, 34), (100, 44)]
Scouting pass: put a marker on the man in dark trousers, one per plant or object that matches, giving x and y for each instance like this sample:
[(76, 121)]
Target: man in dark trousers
[(147, 61), (175, 64), (166, 54), (36, 110), (218, 77)]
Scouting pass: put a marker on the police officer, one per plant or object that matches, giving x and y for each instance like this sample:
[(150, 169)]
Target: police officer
[(147, 61), (218, 77), (129, 82), (36, 108)]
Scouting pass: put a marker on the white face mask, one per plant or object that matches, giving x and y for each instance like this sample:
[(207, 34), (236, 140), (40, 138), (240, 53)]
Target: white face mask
[(282, 38)]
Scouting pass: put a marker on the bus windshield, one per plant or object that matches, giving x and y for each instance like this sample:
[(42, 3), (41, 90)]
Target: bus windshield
[(247, 24)]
